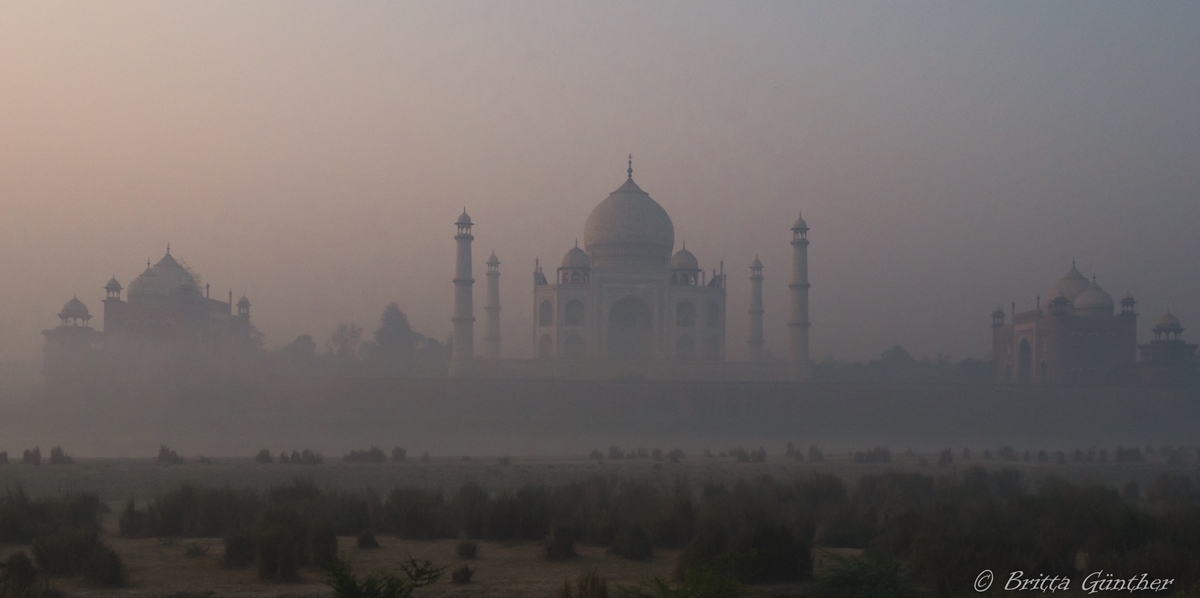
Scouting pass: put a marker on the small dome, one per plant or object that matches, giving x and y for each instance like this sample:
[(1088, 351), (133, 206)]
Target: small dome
[(684, 260), (1070, 285), (1168, 323), (243, 302), (464, 219), (75, 309), (493, 261), (1094, 302), (576, 258), (999, 313), (756, 264), (800, 223), (163, 280), (1128, 299), (1059, 298), (629, 229), (113, 285)]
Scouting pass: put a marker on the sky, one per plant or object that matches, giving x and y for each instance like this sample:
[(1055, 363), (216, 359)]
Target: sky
[(949, 157)]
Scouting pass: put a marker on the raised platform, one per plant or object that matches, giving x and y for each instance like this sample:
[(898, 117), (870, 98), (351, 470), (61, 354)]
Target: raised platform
[(650, 371)]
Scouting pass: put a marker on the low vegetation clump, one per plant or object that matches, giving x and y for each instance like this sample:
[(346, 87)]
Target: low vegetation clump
[(371, 455), (367, 540), (876, 455), (415, 574), (32, 456), (588, 585), (166, 456), (399, 455), (466, 549), (305, 457), (633, 543), (264, 457), (3, 457), (560, 545), (462, 575), (60, 457), (19, 578), (63, 535)]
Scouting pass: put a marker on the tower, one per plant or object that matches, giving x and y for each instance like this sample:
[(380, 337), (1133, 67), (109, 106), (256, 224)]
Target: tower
[(463, 352), (755, 342), (491, 338), (800, 367)]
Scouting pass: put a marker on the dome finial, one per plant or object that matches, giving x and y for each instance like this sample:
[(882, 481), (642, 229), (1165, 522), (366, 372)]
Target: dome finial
[(630, 171), (685, 245), (576, 242), (168, 249)]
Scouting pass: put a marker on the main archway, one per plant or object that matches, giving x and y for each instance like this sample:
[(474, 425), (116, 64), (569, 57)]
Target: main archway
[(629, 330)]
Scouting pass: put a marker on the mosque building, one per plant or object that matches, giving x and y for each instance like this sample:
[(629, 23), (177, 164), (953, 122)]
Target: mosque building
[(1081, 339), (627, 306), (166, 310)]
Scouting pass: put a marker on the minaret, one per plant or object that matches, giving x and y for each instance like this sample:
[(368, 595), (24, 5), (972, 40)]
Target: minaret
[(491, 339), (463, 352), (800, 367), (756, 311)]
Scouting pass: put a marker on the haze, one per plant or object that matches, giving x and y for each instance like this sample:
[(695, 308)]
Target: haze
[(949, 157)]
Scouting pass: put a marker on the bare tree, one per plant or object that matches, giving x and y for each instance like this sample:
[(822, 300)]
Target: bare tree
[(344, 342)]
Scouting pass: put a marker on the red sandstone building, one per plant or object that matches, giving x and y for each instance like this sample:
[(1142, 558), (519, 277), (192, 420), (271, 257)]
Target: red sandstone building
[(1078, 340), (166, 316)]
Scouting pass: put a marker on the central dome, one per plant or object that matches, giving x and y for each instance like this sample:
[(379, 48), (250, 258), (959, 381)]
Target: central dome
[(629, 231), (164, 279)]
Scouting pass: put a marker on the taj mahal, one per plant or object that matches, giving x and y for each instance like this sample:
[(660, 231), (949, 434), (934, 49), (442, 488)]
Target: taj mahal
[(627, 305)]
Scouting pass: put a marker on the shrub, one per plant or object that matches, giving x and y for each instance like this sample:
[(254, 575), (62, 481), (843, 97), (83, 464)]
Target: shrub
[(815, 455), (946, 458), (774, 554), (104, 567), (64, 552), (417, 574), (264, 456), (461, 575), (412, 514), (615, 453), (239, 550), (874, 575), (32, 456), (633, 543), (466, 549), (399, 455), (591, 585), (18, 577), (560, 545), (875, 455), (132, 523), (167, 456), (759, 456), (58, 457), (367, 540), (309, 457), (195, 550), (371, 455)]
